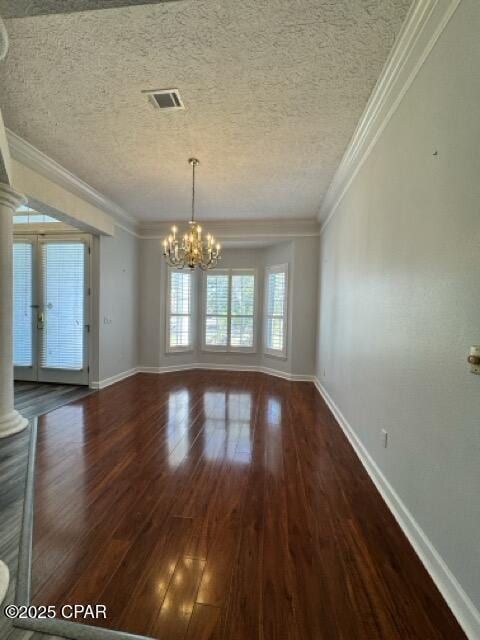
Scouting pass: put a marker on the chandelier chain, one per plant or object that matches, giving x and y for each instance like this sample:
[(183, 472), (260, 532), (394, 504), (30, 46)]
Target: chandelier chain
[(194, 164)]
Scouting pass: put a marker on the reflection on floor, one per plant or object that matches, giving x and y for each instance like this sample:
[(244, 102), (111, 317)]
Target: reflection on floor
[(34, 398), (222, 506)]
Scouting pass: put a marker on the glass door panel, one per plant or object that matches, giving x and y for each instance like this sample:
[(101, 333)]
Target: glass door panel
[(63, 312), (23, 310)]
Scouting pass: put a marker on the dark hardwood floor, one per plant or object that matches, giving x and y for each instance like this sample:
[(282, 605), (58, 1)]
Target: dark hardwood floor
[(227, 506)]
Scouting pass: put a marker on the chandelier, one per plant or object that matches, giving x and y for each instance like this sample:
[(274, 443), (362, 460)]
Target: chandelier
[(192, 250)]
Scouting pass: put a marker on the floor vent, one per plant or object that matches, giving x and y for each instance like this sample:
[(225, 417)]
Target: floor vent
[(165, 98)]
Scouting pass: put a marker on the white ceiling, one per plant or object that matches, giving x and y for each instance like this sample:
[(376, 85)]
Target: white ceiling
[(273, 90)]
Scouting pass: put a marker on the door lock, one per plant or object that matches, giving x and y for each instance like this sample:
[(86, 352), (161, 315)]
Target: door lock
[(474, 359)]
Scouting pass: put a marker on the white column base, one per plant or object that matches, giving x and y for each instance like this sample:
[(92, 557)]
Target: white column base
[(4, 580), (12, 423)]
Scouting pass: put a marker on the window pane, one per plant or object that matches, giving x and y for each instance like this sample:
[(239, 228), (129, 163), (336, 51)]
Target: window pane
[(241, 332), (243, 288), (63, 294), (275, 333), (276, 293), (217, 295), (22, 300), (32, 218), (216, 331), (180, 284), (179, 331)]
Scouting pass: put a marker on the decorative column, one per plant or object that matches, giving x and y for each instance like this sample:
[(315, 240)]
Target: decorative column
[(4, 580), (10, 420)]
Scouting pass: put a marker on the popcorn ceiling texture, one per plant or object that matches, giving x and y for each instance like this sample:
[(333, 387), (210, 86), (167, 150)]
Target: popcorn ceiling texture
[(273, 91)]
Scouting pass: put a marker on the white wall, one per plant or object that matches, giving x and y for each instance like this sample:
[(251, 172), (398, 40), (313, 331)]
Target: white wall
[(300, 253), (400, 304), (116, 269)]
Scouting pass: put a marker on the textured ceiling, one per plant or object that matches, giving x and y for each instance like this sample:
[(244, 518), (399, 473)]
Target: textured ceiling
[(273, 90), (22, 8)]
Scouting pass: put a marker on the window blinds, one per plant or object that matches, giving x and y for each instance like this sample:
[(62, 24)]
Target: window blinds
[(241, 321), (217, 303), (63, 295), (180, 309), (276, 309), (230, 306), (22, 304)]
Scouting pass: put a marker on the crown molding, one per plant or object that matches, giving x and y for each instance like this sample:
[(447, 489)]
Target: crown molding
[(423, 25), (36, 160), (239, 230), (5, 163)]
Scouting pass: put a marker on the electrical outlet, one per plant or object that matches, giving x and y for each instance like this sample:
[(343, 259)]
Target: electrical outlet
[(384, 435)]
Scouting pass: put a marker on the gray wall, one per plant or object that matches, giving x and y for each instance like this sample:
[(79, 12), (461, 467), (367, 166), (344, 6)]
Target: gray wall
[(304, 303), (302, 327), (400, 304), (116, 305)]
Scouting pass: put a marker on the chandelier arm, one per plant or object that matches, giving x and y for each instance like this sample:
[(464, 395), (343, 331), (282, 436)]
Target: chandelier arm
[(173, 262)]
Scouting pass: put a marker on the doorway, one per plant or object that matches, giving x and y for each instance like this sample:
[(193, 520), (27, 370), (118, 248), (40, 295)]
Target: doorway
[(51, 308)]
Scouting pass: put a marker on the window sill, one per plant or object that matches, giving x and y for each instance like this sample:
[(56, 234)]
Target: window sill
[(238, 350), (173, 352)]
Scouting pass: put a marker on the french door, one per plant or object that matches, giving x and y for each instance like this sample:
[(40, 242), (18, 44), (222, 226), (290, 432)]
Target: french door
[(51, 308)]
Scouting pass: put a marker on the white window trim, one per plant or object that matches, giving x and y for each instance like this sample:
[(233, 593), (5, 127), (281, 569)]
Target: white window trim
[(227, 348), (189, 347), (276, 353)]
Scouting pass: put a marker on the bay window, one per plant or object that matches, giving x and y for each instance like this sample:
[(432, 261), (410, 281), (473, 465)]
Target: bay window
[(179, 311), (276, 293), (230, 310)]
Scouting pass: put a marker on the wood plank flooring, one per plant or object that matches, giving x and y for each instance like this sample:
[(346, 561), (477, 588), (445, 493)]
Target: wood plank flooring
[(31, 399), (34, 398), (222, 506)]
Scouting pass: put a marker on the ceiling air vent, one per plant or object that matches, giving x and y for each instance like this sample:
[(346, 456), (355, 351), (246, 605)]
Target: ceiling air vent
[(165, 99)]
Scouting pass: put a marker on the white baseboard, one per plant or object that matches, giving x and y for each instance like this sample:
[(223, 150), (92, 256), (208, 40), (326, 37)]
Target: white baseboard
[(228, 367), (170, 369), (106, 382), (458, 601)]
